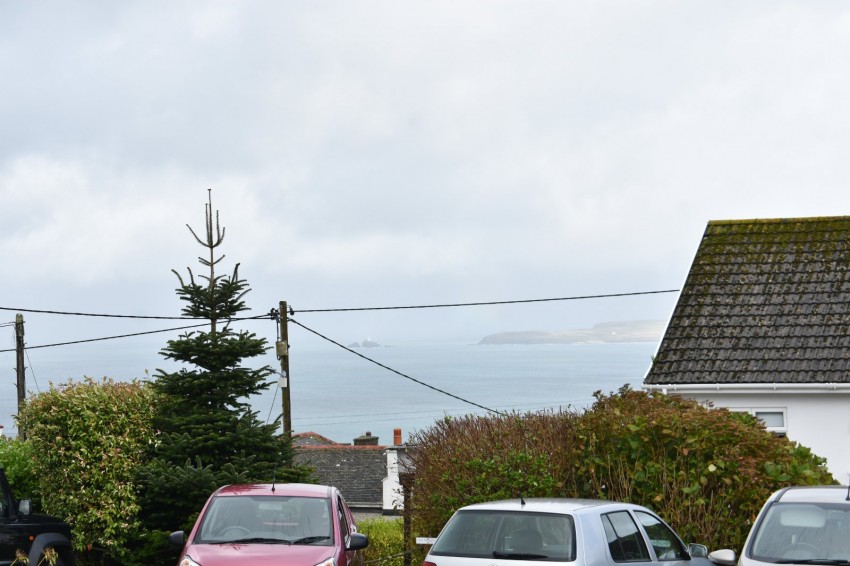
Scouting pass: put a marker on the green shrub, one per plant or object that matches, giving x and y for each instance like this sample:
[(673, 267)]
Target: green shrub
[(16, 459), (88, 440), (706, 471), (386, 540)]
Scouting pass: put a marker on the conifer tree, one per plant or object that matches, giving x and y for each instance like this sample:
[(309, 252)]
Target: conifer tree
[(208, 434)]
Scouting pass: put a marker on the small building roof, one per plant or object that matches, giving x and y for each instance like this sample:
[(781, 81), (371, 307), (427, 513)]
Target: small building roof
[(765, 301), (356, 470), (306, 439)]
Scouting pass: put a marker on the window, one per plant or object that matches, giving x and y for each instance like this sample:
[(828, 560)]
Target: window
[(514, 535), (624, 538), (773, 419), (344, 528), (4, 497), (665, 543), (800, 532), (234, 517)]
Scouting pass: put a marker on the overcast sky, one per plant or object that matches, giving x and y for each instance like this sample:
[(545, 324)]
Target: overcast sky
[(400, 153)]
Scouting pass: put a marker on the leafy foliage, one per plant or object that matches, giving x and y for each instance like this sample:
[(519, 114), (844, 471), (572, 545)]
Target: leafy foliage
[(706, 471), (386, 541), (87, 440), (49, 558), (16, 459)]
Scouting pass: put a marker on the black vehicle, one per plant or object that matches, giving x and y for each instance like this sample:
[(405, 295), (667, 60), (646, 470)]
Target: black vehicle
[(28, 532)]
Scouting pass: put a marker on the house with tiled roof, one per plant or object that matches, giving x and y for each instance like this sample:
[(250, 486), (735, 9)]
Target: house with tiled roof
[(365, 472), (762, 325)]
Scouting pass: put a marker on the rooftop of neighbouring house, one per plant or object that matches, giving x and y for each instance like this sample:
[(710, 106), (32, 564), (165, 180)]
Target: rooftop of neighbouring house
[(357, 469), (765, 301)]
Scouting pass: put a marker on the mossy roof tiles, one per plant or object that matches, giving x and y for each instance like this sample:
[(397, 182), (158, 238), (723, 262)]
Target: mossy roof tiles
[(357, 471), (765, 301)]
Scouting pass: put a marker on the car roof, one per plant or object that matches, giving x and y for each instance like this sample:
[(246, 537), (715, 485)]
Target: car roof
[(813, 494), (279, 489), (545, 505)]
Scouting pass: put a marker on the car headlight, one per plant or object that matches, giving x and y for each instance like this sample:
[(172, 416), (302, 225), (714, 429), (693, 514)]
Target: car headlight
[(327, 562), (187, 561)]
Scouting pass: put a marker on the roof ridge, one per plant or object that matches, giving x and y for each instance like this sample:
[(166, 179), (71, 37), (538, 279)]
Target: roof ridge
[(778, 220)]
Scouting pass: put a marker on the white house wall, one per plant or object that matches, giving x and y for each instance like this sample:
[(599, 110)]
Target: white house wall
[(393, 498), (818, 421)]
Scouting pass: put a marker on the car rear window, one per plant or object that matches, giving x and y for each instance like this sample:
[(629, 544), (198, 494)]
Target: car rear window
[(802, 531), (508, 534)]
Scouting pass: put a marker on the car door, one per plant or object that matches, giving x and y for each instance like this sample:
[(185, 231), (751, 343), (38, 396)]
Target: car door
[(664, 542), (624, 537), (346, 527), (11, 538)]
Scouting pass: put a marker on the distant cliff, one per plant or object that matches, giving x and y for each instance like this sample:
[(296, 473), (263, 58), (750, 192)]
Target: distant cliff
[(623, 331)]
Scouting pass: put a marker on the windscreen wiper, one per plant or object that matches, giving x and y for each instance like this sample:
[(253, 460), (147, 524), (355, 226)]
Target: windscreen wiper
[(254, 540), (312, 539)]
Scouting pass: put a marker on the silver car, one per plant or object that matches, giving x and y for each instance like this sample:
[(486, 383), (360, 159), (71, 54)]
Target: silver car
[(586, 532), (797, 525)]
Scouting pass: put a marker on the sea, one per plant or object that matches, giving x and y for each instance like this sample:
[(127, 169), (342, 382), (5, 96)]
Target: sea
[(343, 393)]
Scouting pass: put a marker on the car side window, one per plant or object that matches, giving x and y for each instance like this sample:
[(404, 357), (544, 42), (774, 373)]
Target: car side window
[(625, 541), (664, 541), (344, 528)]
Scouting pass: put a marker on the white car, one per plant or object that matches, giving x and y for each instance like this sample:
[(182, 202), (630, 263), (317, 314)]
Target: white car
[(797, 525), (585, 532)]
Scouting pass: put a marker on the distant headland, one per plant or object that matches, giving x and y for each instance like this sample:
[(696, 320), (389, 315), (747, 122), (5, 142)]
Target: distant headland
[(605, 332), (367, 343)]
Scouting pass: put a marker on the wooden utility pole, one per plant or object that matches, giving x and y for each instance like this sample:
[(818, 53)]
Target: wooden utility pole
[(282, 349), (21, 371)]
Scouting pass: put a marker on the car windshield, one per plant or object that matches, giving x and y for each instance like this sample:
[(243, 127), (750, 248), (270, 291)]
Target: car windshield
[(267, 520), (803, 533), (508, 535)]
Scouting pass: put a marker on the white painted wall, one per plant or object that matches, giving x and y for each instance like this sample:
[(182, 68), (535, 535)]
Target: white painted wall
[(393, 500), (817, 420)]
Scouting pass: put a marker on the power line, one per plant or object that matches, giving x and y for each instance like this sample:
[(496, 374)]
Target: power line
[(127, 335), (273, 314), (350, 309), (370, 417), (487, 303), (32, 370), (437, 389), (67, 313), (527, 406)]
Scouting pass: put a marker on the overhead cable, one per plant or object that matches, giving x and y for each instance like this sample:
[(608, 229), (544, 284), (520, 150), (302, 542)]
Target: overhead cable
[(487, 303), (314, 420), (547, 405), (292, 311), (128, 335), (273, 313), (39, 311), (437, 389)]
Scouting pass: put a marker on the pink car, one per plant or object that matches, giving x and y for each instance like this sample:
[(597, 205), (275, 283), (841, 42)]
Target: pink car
[(256, 524)]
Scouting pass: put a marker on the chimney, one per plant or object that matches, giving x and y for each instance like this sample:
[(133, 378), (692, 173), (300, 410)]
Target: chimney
[(397, 437), (366, 440)]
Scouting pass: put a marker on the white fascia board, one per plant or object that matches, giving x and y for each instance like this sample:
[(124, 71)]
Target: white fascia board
[(792, 388)]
